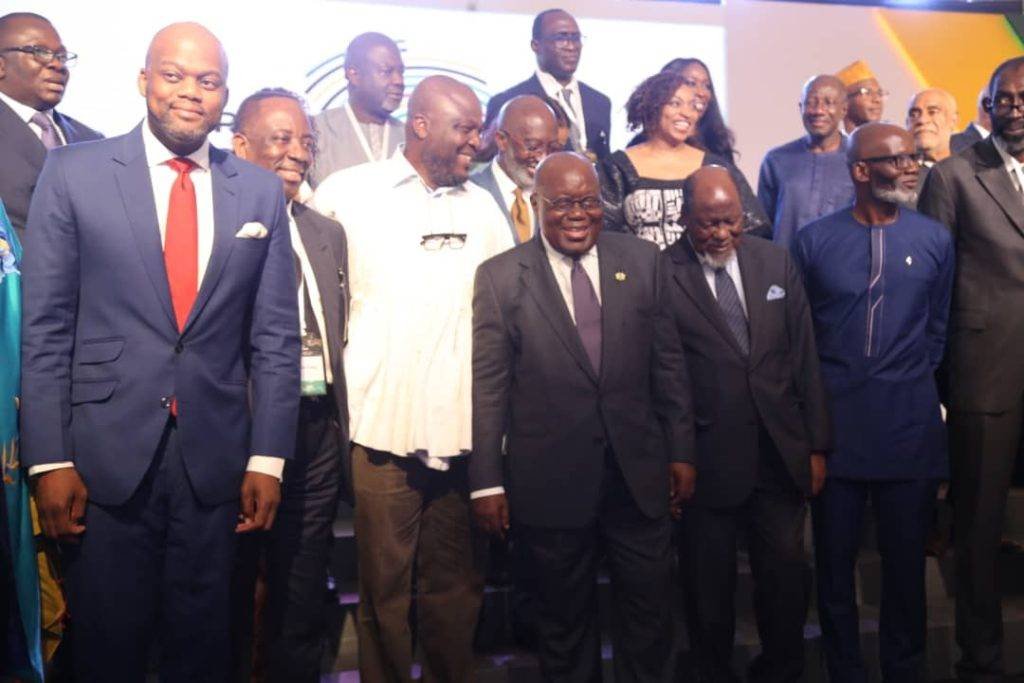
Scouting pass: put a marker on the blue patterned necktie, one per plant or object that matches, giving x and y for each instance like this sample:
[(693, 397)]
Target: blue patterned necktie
[(587, 310), (876, 285), (732, 310)]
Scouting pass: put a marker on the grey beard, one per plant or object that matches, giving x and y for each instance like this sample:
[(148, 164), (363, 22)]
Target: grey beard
[(894, 195)]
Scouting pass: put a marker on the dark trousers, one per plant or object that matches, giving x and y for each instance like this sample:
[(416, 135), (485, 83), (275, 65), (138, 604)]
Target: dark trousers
[(983, 449), (158, 566), (411, 517), (295, 554), (772, 520), (564, 565), (904, 511)]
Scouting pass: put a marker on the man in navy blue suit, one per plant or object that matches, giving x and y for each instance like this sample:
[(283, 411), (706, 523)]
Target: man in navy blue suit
[(160, 369), (557, 42)]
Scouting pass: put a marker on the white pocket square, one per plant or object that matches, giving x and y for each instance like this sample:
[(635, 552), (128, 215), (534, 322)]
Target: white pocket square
[(252, 231), (775, 292)]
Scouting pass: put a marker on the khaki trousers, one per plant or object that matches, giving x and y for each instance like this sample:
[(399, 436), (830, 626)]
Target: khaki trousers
[(409, 519)]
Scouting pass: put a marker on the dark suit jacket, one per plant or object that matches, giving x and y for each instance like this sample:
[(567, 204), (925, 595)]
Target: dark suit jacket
[(597, 111), (101, 351), (485, 178), (21, 159), (973, 195), (965, 139), (778, 387), (533, 383), (327, 250)]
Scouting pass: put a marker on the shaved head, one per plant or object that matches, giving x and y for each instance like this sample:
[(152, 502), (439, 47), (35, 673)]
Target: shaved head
[(713, 213), (526, 133), (22, 76), (442, 130), (884, 169), (874, 139), (184, 82), (567, 202)]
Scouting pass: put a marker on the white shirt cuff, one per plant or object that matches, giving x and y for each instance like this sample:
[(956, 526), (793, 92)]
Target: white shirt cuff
[(40, 469), (265, 464), (483, 493)]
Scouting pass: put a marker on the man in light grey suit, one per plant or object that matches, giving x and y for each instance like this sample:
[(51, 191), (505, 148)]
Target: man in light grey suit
[(526, 133), (363, 129)]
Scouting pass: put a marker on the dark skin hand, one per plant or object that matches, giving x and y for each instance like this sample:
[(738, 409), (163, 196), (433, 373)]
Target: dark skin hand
[(60, 501), (491, 514), (261, 494), (682, 479), (818, 471)]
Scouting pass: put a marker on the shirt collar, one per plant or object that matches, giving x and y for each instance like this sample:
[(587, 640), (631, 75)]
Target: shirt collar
[(982, 130), (552, 87), (157, 154), (402, 172), (506, 185), (24, 112)]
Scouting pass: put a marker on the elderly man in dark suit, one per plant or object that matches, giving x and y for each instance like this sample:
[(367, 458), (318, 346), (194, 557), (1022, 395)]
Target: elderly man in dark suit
[(576, 368), (761, 424), (526, 133), (557, 42), (979, 194), (273, 130), (977, 130), (33, 78)]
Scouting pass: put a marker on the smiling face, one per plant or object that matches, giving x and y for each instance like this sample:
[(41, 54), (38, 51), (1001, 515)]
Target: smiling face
[(559, 45), (22, 77), (698, 78), (679, 116), (567, 203), (185, 86), (451, 138), (526, 134), (865, 100), (277, 136), (823, 107)]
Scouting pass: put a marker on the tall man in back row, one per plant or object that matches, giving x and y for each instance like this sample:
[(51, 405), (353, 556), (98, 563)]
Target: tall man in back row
[(558, 43), (979, 194), (417, 231), (878, 277), (160, 373)]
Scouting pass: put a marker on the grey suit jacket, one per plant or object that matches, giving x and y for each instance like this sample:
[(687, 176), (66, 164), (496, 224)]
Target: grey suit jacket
[(533, 382), (778, 386), (485, 178), (973, 194), (338, 145), (21, 159), (965, 139)]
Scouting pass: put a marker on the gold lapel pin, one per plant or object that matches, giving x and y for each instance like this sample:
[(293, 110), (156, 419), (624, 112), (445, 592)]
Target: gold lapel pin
[(620, 276)]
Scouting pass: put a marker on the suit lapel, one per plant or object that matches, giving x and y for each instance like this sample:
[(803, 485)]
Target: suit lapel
[(540, 283), (991, 173), (19, 138), (324, 264), (489, 182), (689, 275), (136, 189), (225, 223), (754, 292)]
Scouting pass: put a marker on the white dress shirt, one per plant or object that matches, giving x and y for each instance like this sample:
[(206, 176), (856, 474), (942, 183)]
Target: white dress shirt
[(162, 177), (408, 361), (982, 130), (25, 113), (574, 109), (732, 269), (308, 285), (1010, 163), (508, 188), (561, 267)]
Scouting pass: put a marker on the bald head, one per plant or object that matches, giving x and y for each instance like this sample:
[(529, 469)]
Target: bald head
[(442, 130), (932, 120), (184, 82), (884, 168), (23, 77), (567, 202), (878, 139), (713, 213), (526, 133), (823, 106)]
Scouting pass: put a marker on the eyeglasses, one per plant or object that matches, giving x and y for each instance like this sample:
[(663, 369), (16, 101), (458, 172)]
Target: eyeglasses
[(900, 161), (870, 92), (1004, 103), (565, 38), (565, 205), (45, 55), (439, 240)]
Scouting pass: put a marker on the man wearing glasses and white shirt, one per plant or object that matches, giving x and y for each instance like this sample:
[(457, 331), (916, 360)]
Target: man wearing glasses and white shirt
[(417, 231)]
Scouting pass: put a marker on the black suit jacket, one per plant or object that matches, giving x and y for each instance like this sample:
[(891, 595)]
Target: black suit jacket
[(21, 159), (965, 139), (597, 111), (778, 387), (533, 383), (972, 193)]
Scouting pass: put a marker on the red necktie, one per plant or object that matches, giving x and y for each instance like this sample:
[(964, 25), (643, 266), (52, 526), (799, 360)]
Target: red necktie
[(181, 242)]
